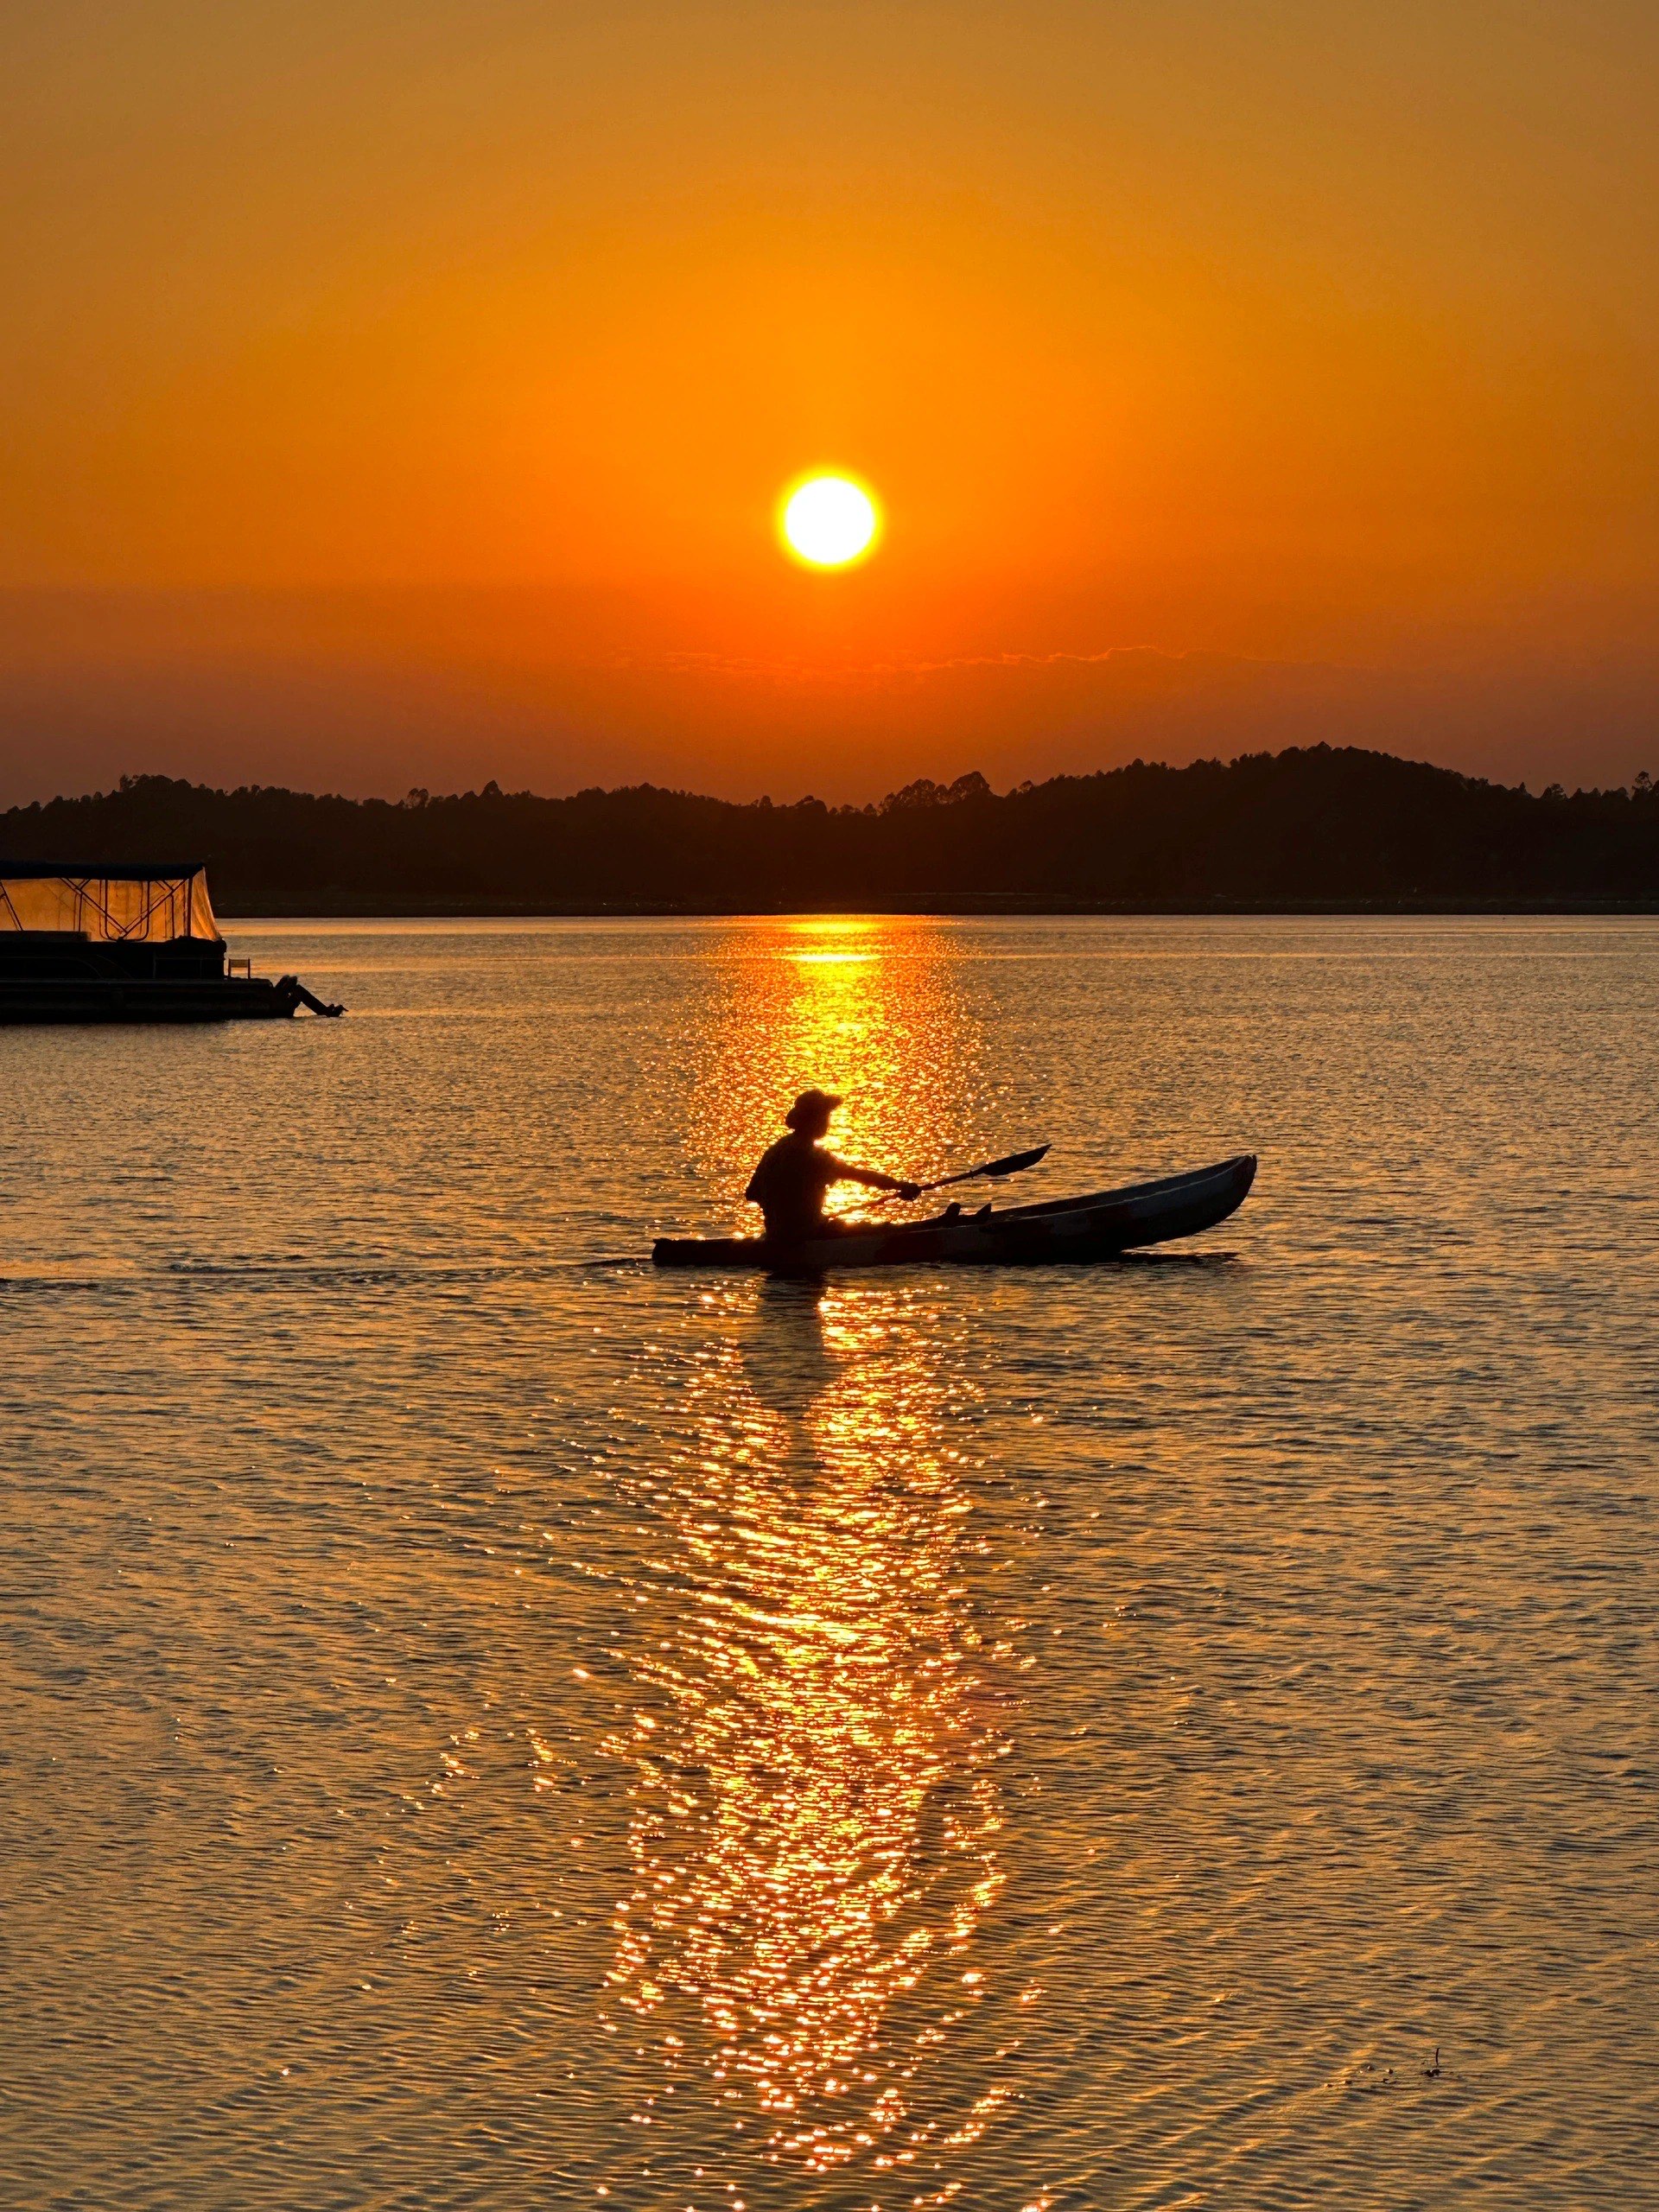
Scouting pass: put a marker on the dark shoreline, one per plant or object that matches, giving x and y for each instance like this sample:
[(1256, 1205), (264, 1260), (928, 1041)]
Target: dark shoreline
[(1010, 907), (1321, 831)]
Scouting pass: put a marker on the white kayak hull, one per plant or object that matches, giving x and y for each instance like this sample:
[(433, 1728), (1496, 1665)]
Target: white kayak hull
[(1097, 1227)]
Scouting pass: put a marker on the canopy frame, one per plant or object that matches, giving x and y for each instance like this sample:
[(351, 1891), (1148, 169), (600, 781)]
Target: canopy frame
[(158, 902)]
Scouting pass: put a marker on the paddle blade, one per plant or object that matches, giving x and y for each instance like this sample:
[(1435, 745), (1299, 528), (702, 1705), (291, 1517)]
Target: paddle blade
[(1014, 1162)]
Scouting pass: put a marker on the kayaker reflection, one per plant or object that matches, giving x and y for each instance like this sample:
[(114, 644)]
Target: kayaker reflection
[(790, 1184)]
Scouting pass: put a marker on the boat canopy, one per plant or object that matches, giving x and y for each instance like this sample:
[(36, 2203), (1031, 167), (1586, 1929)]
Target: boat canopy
[(137, 905)]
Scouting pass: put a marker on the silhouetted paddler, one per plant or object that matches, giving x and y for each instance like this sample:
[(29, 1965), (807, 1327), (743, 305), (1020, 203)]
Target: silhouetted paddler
[(790, 1183)]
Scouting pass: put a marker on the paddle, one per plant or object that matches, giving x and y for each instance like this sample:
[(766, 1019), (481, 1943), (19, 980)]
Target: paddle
[(995, 1168)]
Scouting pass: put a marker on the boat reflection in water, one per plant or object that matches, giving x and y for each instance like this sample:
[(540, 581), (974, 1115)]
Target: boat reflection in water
[(815, 1804)]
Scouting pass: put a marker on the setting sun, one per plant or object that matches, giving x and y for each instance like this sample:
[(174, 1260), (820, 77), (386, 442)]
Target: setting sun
[(829, 521)]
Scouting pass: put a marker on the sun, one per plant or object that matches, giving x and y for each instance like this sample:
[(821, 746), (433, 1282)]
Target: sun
[(829, 521)]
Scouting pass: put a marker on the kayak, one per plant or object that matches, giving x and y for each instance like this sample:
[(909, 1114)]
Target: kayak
[(1097, 1227)]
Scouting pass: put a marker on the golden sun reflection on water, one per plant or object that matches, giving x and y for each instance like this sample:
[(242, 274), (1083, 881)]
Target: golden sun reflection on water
[(814, 1812), (871, 1008)]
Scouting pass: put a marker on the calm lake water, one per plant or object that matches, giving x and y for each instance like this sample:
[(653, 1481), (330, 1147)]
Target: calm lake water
[(490, 1725)]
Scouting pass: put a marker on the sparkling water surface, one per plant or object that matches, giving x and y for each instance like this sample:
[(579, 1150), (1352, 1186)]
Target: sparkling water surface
[(488, 1725)]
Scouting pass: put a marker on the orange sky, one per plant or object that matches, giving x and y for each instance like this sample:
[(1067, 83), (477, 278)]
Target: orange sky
[(401, 393)]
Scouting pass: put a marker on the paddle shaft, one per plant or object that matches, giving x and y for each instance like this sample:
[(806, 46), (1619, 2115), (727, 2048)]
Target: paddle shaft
[(1014, 1165)]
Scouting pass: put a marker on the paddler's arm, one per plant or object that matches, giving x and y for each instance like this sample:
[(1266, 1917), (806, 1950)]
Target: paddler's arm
[(872, 1178)]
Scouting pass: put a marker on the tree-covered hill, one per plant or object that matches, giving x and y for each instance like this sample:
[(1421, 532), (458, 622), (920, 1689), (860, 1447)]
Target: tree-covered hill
[(1321, 826)]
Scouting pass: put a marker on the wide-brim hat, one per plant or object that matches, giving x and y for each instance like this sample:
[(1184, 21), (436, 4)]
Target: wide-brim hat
[(811, 1106)]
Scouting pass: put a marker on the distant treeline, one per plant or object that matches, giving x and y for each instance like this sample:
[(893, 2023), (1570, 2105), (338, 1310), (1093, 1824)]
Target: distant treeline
[(1317, 826)]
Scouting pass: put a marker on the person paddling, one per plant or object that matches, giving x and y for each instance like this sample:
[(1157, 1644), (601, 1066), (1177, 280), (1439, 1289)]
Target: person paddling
[(790, 1183)]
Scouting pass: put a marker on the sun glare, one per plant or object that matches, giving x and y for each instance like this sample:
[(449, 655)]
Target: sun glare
[(829, 522)]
